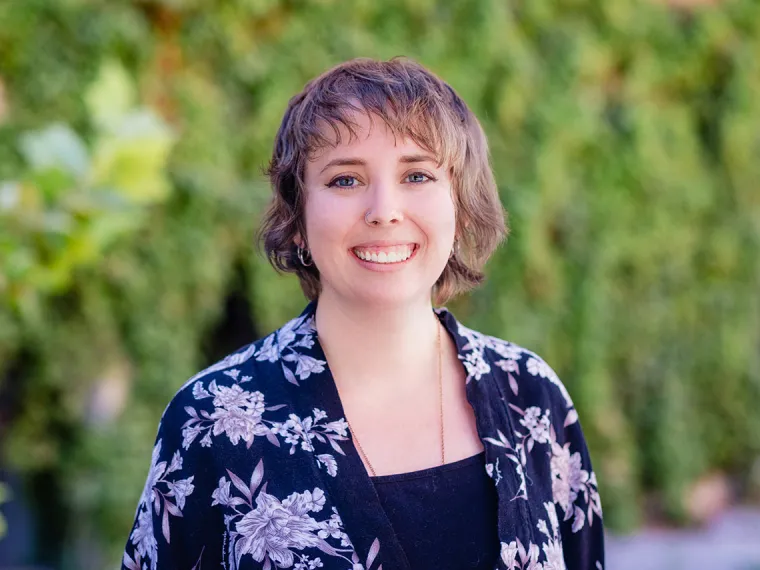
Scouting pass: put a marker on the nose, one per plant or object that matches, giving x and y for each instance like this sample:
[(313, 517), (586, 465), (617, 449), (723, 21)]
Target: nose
[(384, 206)]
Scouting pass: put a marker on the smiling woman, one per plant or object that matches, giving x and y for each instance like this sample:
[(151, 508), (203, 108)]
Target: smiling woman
[(417, 443), (338, 132), (368, 199)]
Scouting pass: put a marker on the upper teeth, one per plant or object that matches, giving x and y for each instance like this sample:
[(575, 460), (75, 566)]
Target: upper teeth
[(388, 255)]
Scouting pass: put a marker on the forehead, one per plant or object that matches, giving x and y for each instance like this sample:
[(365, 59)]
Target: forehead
[(361, 131)]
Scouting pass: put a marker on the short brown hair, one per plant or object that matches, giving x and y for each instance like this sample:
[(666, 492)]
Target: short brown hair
[(415, 104)]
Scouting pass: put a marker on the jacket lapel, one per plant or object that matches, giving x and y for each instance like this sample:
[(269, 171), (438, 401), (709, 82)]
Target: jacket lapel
[(350, 489), (487, 394)]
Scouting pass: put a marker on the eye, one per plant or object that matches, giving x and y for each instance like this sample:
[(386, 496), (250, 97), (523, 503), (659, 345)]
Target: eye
[(418, 177), (343, 182)]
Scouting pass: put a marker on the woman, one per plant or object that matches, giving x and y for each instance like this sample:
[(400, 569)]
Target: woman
[(373, 430)]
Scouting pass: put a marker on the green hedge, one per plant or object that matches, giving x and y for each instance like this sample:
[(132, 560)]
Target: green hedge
[(626, 142)]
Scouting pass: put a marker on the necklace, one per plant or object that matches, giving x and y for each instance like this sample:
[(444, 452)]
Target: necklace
[(440, 399)]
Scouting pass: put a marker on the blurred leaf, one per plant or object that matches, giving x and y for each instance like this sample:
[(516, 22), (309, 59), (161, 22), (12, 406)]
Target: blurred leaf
[(132, 161), (56, 146), (53, 184), (10, 196), (111, 96)]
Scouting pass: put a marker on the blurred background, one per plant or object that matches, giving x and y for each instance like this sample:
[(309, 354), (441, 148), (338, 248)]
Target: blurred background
[(625, 138)]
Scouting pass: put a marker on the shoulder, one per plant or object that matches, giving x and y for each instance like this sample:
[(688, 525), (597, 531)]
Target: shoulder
[(516, 371), (240, 379)]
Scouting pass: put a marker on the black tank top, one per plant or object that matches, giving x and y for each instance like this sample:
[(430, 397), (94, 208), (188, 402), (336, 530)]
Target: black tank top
[(445, 516)]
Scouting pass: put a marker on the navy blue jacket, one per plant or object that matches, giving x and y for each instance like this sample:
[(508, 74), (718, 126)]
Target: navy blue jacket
[(254, 468)]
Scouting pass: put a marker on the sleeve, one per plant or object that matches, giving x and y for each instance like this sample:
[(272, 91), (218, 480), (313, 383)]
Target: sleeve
[(165, 533), (574, 487)]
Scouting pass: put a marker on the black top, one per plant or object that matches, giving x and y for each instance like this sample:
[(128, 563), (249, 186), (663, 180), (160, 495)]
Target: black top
[(445, 516)]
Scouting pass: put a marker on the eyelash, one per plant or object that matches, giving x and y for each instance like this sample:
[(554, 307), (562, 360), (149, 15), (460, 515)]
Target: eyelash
[(334, 182)]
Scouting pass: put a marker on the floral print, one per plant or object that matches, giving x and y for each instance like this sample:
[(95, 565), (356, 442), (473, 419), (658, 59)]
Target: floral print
[(538, 426), (275, 532), (239, 415), (569, 480), (297, 432), (143, 537), (516, 557), (209, 501)]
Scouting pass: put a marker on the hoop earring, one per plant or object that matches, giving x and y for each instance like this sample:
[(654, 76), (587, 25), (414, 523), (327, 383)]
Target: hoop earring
[(300, 252)]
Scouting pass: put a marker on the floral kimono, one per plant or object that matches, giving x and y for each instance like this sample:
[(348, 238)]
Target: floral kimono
[(254, 467)]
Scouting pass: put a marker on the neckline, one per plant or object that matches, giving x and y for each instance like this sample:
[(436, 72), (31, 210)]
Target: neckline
[(367, 516), (429, 471)]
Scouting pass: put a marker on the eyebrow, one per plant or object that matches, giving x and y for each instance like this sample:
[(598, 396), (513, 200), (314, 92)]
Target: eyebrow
[(406, 159), (344, 162), (412, 158)]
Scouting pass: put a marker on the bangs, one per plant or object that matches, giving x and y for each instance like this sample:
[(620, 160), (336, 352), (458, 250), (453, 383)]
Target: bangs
[(413, 105)]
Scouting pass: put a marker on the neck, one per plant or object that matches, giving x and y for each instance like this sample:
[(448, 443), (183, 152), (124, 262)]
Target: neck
[(377, 347)]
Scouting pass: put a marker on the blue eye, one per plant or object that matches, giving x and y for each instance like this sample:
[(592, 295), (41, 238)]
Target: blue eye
[(344, 182), (418, 177)]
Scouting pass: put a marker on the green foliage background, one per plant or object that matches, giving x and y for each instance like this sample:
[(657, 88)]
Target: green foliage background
[(626, 142)]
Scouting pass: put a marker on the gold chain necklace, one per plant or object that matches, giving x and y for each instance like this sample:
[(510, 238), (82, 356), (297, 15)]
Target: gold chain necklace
[(440, 398)]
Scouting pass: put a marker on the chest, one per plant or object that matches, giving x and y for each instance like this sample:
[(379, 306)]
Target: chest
[(402, 432)]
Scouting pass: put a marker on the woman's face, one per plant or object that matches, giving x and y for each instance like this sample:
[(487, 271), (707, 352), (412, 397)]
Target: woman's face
[(398, 253)]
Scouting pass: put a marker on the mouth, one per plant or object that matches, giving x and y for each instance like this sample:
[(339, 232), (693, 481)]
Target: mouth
[(386, 255)]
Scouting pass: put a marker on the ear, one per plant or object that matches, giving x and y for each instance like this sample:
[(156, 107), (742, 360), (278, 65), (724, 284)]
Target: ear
[(297, 240)]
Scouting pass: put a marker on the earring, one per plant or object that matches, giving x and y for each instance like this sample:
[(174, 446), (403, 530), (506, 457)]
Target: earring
[(301, 251)]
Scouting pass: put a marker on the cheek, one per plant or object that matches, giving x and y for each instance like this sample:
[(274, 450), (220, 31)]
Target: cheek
[(327, 221), (439, 217)]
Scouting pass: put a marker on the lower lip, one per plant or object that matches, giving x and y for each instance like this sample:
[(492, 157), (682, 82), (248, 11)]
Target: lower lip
[(383, 267)]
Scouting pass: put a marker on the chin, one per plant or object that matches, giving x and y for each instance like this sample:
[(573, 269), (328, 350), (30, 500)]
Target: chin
[(390, 296)]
